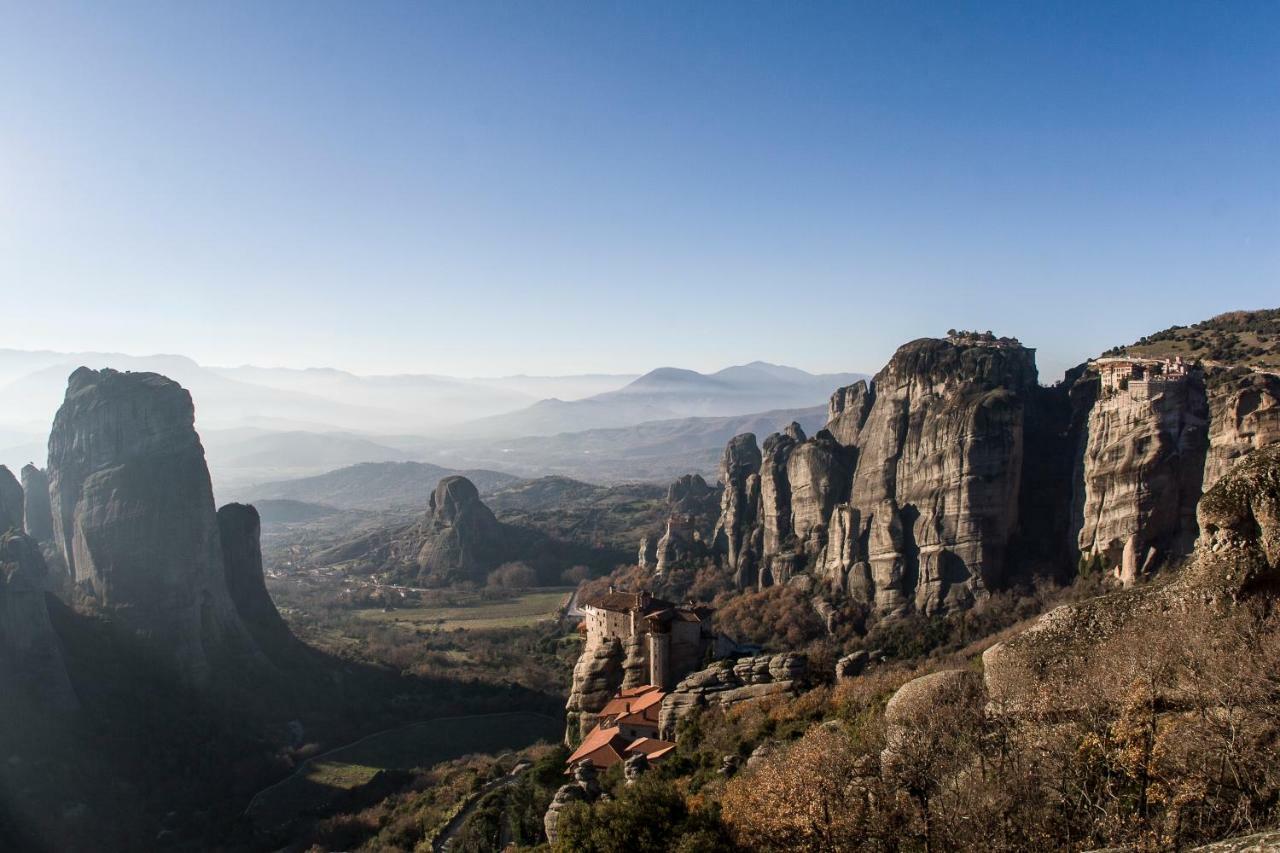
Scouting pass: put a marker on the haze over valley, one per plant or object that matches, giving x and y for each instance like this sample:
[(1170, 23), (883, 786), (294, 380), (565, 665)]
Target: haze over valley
[(555, 427)]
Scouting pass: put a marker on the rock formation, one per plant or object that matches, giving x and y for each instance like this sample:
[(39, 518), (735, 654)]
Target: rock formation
[(647, 555), (32, 670), (597, 675), (1142, 466), (738, 535), (690, 495), (953, 465), (908, 499), (730, 682), (134, 517), (585, 788), (1244, 415), (1238, 552), (11, 502), (239, 529), (460, 539), (39, 514)]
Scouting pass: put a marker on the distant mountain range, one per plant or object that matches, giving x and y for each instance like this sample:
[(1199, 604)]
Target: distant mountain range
[(670, 393), (271, 424)]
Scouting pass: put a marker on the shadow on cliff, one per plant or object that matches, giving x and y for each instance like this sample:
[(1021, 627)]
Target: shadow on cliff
[(150, 761)]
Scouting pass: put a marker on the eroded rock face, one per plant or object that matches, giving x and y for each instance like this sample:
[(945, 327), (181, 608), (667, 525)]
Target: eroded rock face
[(1238, 552), (31, 664), (35, 494), (730, 682), (597, 675), (239, 528), (1142, 467), (134, 517), (738, 530), (691, 495), (460, 537), (1244, 415), (909, 498), (12, 511)]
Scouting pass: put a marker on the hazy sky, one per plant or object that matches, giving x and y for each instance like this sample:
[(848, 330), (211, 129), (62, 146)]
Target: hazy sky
[(477, 188)]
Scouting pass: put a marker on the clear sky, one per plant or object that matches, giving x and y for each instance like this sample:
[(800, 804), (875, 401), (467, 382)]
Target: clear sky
[(483, 188)]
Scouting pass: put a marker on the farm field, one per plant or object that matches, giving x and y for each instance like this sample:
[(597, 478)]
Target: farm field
[(523, 611)]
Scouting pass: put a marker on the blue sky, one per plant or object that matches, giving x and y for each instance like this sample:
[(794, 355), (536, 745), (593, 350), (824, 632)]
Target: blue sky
[(483, 188)]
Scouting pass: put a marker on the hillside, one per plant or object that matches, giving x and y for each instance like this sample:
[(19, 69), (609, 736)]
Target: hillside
[(1234, 339), (657, 451), (373, 486)]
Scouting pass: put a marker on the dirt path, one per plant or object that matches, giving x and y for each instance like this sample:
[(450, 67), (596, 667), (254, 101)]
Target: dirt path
[(441, 843)]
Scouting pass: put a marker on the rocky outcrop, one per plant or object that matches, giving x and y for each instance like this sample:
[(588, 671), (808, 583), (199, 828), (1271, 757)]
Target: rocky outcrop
[(35, 494), (32, 670), (460, 539), (239, 529), (597, 675), (585, 788), (134, 517), (690, 495), (647, 555), (727, 683), (738, 535), (1238, 553), (909, 498), (919, 699), (1244, 415), (1141, 468), (12, 511)]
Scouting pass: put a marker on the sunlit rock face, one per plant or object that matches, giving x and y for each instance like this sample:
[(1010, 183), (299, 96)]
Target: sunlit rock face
[(909, 498), (133, 515), (1141, 470)]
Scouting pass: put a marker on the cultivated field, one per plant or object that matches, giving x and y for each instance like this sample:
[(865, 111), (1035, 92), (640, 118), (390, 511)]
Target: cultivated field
[(522, 611)]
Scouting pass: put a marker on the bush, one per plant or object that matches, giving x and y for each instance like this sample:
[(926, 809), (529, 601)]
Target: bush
[(513, 576)]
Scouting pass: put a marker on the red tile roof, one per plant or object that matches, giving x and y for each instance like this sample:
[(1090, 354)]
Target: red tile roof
[(651, 747)]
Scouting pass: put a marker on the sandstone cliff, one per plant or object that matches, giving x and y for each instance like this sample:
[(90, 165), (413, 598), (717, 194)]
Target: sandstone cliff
[(35, 493), (953, 472), (908, 499), (134, 517), (598, 674), (1141, 470), (239, 530)]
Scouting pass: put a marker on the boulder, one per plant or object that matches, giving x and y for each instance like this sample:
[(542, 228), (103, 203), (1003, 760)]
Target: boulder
[(852, 665)]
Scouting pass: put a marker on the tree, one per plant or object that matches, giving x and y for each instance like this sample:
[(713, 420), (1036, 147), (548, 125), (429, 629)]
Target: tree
[(513, 576)]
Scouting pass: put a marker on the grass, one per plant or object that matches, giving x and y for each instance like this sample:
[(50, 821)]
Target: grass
[(322, 782), (519, 612)]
